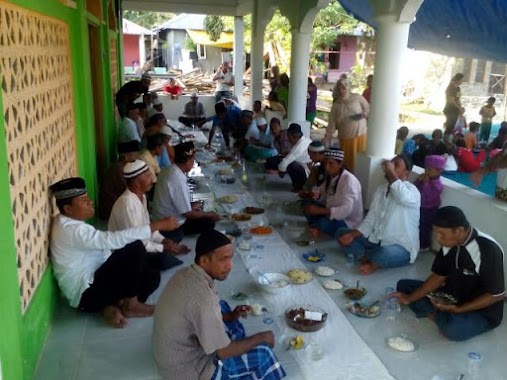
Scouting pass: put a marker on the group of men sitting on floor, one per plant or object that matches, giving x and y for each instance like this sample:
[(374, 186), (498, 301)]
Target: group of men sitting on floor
[(198, 336)]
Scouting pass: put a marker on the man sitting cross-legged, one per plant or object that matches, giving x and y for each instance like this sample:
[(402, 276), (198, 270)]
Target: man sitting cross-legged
[(172, 197), (101, 270), (389, 234), (468, 267), (131, 210), (197, 336)]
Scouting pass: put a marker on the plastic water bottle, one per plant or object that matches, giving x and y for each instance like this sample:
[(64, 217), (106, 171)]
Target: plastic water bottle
[(474, 364)]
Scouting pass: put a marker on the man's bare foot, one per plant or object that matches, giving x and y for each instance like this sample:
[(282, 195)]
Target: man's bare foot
[(132, 308), (368, 268), (314, 232), (114, 317)]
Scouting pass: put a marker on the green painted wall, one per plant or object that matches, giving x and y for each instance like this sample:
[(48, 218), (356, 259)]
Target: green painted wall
[(22, 337)]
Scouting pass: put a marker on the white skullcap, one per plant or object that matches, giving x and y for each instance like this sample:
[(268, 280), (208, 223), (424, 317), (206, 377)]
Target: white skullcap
[(133, 169), (157, 102)]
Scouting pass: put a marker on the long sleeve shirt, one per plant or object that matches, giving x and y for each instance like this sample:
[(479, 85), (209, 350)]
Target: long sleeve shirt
[(344, 118), (79, 249), (128, 212), (345, 200), (299, 153), (430, 192), (194, 110), (394, 217)]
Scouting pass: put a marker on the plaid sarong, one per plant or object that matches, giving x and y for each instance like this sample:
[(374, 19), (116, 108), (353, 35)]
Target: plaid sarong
[(260, 363)]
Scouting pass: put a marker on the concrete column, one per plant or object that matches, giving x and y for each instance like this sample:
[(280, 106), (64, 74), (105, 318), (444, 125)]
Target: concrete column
[(299, 60), (142, 51), (393, 19), (239, 48), (487, 72), (473, 71), (392, 38)]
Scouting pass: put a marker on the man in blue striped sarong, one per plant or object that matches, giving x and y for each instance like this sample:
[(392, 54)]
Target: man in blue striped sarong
[(198, 337), (259, 363)]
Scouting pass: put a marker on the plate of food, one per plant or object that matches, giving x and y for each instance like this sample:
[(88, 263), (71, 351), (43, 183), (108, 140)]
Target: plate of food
[(443, 298), (299, 276), (333, 284), (228, 199), (401, 343), (314, 256), (355, 293), (305, 318), (240, 217), (305, 243), (364, 311), (225, 171), (324, 271), (253, 210), (261, 230), (295, 343)]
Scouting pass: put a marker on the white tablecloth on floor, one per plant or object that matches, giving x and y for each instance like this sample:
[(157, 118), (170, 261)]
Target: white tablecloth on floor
[(346, 355)]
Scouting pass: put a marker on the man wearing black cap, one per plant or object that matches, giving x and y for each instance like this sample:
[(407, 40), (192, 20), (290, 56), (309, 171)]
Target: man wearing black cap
[(172, 197), (467, 272), (101, 270), (227, 119), (295, 163), (113, 184), (130, 91), (131, 210), (388, 237), (197, 336)]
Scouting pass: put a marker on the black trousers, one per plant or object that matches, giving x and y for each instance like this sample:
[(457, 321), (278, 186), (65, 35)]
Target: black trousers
[(295, 170), (198, 121), (190, 227), (126, 273)]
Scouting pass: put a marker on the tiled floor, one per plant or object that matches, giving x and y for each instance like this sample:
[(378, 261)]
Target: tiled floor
[(81, 347)]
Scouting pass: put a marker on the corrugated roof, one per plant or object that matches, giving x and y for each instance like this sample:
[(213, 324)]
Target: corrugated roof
[(184, 21), (130, 27)]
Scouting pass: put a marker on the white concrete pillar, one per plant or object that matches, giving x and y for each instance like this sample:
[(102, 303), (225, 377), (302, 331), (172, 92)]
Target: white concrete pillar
[(142, 51), (299, 60), (239, 49), (473, 70), (392, 38)]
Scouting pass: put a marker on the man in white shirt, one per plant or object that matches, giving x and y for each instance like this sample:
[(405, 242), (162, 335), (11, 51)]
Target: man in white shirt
[(172, 197), (389, 235), (131, 210), (128, 128), (101, 270), (225, 80), (295, 163)]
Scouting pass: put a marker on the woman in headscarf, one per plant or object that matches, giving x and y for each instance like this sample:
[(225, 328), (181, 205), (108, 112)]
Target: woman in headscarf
[(453, 108), (348, 115)]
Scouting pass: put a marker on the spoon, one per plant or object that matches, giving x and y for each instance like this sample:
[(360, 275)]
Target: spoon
[(265, 277), (357, 284), (373, 304)]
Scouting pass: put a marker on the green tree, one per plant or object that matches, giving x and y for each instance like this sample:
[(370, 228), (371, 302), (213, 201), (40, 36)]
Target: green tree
[(149, 20), (214, 26)]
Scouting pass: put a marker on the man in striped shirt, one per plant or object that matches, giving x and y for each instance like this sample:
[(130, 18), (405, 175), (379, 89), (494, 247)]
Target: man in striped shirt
[(196, 336), (466, 289)]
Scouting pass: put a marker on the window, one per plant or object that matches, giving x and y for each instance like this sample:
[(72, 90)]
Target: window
[(201, 51)]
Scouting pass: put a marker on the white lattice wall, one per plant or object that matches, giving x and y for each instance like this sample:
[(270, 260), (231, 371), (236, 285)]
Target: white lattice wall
[(35, 74)]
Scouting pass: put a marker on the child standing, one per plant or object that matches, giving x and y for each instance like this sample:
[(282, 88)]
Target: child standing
[(430, 187), (487, 112)]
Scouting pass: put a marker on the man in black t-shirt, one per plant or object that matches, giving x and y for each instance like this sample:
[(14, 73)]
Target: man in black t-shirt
[(469, 269), (130, 91)]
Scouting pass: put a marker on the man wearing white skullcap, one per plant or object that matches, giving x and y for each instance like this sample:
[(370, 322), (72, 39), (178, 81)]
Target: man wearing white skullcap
[(131, 210), (193, 113)]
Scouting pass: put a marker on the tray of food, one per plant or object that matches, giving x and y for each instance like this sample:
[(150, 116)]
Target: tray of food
[(253, 210), (240, 217), (333, 284), (305, 318), (299, 276), (364, 311), (443, 298), (261, 230), (324, 271)]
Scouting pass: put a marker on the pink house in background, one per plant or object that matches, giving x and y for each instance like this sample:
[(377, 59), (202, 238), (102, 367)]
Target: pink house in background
[(134, 45)]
